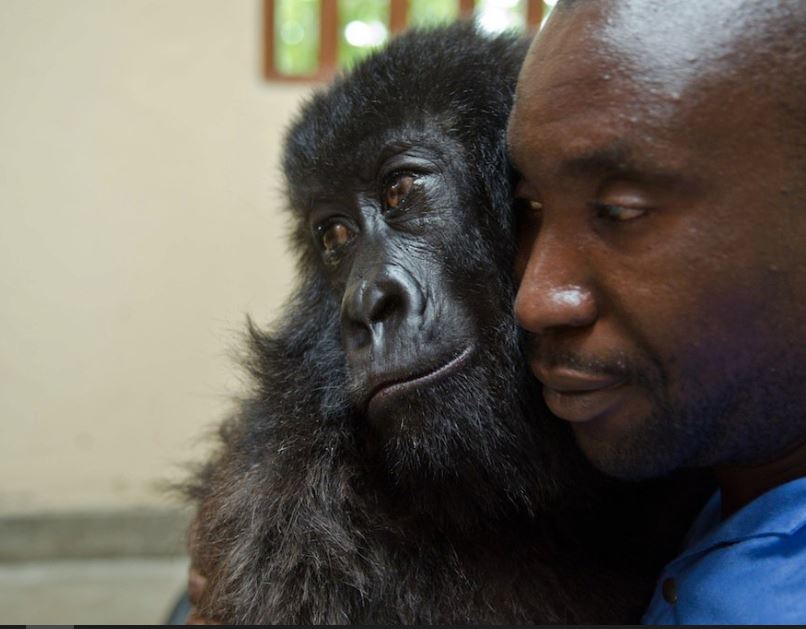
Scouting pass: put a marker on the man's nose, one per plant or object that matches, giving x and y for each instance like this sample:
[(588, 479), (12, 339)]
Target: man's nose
[(555, 290)]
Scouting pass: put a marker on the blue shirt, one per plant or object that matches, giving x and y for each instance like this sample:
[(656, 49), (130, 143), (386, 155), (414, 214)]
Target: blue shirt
[(747, 569)]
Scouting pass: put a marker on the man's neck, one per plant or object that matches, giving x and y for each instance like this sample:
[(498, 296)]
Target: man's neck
[(741, 484)]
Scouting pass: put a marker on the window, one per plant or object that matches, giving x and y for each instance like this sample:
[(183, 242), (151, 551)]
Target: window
[(310, 39)]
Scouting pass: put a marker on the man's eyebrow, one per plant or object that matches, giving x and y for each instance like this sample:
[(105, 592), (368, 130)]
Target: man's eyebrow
[(617, 160)]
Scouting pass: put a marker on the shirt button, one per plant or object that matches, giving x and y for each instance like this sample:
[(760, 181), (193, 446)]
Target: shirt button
[(670, 590)]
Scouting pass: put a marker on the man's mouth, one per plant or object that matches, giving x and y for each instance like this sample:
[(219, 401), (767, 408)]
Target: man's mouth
[(386, 390), (578, 396)]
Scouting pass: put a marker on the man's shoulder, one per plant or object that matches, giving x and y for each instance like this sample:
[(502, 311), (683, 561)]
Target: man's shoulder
[(750, 568), (760, 579)]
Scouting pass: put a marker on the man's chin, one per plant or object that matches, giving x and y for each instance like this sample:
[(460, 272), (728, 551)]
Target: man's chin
[(637, 454)]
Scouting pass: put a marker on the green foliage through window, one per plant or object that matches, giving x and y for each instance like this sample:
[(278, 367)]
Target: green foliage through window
[(496, 16), (296, 37), (365, 24), (423, 12)]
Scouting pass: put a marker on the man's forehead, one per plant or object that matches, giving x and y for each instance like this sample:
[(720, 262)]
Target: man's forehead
[(679, 44), (670, 44), (571, 92), (643, 60)]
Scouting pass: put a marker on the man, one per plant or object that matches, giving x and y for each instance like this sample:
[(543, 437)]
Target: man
[(662, 150)]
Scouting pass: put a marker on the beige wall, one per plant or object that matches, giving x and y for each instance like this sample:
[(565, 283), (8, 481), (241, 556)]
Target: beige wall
[(140, 222)]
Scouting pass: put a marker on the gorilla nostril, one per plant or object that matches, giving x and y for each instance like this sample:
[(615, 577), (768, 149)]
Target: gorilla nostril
[(386, 308)]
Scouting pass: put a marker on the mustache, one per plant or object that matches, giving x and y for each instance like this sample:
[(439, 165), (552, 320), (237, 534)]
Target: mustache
[(617, 364), (610, 365)]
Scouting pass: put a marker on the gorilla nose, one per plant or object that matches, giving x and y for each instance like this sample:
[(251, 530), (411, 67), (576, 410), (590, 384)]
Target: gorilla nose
[(380, 307)]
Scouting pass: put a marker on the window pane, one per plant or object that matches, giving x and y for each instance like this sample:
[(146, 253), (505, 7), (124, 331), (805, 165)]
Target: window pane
[(423, 12), (495, 16), (296, 36), (548, 5), (363, 25)]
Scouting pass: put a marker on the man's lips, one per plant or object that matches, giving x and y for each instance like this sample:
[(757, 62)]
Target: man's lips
[(578, 396), (388, 389)]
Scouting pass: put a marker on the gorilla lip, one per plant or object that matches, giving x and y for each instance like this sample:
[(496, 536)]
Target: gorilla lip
[(390, 388), (577, 396)]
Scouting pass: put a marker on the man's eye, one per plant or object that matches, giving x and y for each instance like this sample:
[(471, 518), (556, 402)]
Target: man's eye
[(618, 213), (528, 210), (397, 189), (334, 236), (528, 215), (533, 206)]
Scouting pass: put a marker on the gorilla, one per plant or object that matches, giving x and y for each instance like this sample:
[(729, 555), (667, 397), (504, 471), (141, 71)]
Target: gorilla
[(394, 461)]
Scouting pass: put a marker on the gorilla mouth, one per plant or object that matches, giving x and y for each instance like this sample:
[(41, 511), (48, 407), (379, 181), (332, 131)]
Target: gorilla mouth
[(385, 391)]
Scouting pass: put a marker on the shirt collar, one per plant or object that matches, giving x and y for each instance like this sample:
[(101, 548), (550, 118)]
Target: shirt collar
[(780, 511)]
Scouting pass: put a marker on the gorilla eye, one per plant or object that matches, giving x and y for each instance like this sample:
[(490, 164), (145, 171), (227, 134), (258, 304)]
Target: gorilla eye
[(334, 236), (397, 189)]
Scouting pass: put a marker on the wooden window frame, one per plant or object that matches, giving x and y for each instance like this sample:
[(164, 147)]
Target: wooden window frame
[(329, 34)]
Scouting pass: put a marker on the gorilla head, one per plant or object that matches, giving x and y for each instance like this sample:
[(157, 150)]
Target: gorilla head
[(400, 191)]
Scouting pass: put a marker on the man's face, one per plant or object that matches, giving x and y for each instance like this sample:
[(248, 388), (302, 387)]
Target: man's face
[(663, 243)]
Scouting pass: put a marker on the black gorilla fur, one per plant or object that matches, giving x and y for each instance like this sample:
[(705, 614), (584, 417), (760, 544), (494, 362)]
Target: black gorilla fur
[(483, 511)]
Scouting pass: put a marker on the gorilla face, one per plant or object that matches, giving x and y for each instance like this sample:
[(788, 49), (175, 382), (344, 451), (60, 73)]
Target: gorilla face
[(404, 327), (428, 339)]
